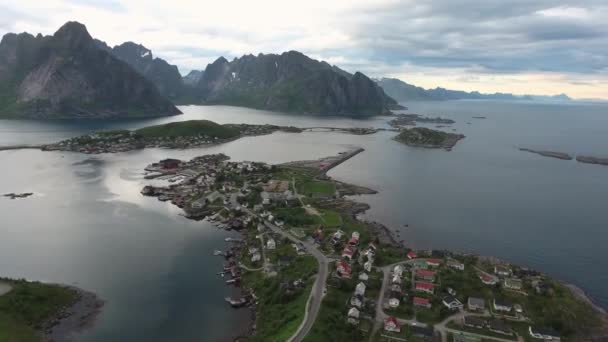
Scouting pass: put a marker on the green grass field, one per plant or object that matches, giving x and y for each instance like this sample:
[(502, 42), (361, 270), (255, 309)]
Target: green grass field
[(280, 312), (331, 218), (189, 128), (27, 306), (309, 188)]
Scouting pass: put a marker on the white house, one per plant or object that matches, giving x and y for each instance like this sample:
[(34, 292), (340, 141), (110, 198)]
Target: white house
[(271, 244), (353, 313), (256, 257), (367, 266), (355, 301), (502, 305), (544, 334), (363, 276), (452, 303), (393, 302), (398, 270), (360, 289)]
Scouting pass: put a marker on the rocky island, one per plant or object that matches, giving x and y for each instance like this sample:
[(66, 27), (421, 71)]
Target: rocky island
[(13, 195), (592, 160), (411, 119), (34, 311), (428, 138)]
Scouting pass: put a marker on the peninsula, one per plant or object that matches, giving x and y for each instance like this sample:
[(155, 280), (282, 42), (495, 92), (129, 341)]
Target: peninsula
[(34, 311), (428, 138), (311, 268)]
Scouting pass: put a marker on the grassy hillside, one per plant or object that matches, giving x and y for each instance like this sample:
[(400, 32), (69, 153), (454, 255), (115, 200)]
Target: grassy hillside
[(28, 305), (189, 128)]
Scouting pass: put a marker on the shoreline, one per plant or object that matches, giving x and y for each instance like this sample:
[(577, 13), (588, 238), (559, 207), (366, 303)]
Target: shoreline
[(348, 206), (72, 320)]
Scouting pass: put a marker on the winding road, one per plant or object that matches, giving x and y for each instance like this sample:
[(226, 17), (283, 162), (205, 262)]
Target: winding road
[(316, 294)]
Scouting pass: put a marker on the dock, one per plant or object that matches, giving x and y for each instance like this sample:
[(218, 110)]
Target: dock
[(335, 161), (21, 147)]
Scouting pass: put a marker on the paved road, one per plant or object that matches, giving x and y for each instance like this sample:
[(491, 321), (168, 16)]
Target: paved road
[(316, 295), (380, 314)]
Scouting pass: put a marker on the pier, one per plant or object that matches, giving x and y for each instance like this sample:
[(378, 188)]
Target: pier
[(335, 161), (21, 147)]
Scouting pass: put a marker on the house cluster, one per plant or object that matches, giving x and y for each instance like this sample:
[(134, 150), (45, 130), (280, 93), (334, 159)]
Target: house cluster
[(392, 325), (124, 140), (396, 290), (424, 277), (344, 271), (349, 254)]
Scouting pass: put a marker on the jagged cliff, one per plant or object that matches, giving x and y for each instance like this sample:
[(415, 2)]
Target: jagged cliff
[(67, 75), (291, 82)]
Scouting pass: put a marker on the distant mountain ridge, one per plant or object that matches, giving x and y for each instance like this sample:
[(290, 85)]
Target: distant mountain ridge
[(165, 76), (67, 75), (291, 82), (402, 91)]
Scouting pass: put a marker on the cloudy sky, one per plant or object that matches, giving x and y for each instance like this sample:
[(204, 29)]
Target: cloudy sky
[(519, 46)]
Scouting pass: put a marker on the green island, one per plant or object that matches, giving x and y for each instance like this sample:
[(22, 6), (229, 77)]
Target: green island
[(311, 269), (181, 134), (428, 138), (34, 311)]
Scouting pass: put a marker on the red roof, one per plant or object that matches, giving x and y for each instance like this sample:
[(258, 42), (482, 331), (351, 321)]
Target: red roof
[(422, 301), (353, 241), (348, 250), (393, 320), (425, 273), (412, 254), (345, 266), (426, 286), (434, 261)]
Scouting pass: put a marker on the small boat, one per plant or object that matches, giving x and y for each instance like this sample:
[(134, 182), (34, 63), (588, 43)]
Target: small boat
[(217, 252)]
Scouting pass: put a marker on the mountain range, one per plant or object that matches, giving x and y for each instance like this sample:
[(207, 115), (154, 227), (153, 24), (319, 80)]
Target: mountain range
[(402, 92), (72, 75), (291, 82), (67, 75)]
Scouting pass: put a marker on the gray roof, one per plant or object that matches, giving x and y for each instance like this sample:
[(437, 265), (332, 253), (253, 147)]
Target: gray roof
[(477, 301), (499, 325), (475, 321)]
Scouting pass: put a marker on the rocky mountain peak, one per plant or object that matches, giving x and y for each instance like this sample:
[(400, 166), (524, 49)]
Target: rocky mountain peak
[(72, 35)]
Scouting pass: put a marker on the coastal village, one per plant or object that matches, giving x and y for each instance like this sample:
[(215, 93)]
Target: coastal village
[(304, 245)]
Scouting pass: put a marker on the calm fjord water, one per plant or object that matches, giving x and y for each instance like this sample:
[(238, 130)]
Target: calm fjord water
[(88, 225)]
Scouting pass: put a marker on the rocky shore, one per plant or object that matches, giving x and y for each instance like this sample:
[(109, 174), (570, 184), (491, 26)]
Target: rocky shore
[(428, 138), (73, 319), (552, 154), (411, 119), (592, 160), (566, 156)]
